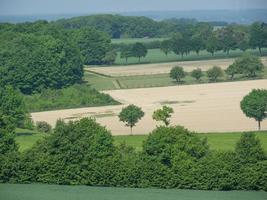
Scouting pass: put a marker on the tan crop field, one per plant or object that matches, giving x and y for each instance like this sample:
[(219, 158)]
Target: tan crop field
[(203, 108), (163, 68)]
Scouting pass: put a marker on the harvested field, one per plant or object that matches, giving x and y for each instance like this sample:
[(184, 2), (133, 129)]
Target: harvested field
[(163, 68), (203, 108)]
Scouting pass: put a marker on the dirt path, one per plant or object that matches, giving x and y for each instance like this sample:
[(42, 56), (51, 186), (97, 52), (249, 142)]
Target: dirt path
[(162, 68), (202, 108)]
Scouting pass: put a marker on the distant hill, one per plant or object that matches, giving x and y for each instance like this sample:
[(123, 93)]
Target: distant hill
[(229, 16)]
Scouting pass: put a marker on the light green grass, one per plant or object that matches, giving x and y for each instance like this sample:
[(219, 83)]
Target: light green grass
[(59, 192), (27, 138), (157, 56), (216, 141), (134, 40)]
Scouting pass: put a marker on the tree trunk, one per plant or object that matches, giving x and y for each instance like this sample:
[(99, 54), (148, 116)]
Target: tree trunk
[(139, 59), (126, 60), (131, 130), (259, 125)]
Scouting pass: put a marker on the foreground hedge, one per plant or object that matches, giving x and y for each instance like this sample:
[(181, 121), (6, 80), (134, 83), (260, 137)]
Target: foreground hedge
[(83, 152)]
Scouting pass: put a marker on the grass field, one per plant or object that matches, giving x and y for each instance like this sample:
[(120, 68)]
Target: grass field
[(217, 141), (59, 192), (157, 56)]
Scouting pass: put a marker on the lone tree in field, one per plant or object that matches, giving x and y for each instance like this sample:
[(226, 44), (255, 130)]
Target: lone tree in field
[(131, 115), (177, 73), (197, 74), (214, 73), (254, 105), (139, 50), (163, 115)]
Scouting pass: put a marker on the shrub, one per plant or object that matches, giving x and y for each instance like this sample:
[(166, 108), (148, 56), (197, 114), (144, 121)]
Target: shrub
[(249, 149), (43, 127), (214, 73), (165, 142)]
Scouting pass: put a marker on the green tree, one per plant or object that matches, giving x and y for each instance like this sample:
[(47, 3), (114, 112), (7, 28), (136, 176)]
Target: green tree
[(131, 115), (93, 45), (258, 35), (254, 105), (232, 70), (165, 47), (165, 143), (163, 115), (126, 52), (12, 107), (32, 63), (110, 57), (249, 65), (249, 149), (197, 74), (227, 39), (177, 73), (197, 43), (214, 73), (139, 50), (212, 44)]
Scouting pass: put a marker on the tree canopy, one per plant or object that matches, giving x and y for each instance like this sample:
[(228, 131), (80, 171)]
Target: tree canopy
[(254, 105)]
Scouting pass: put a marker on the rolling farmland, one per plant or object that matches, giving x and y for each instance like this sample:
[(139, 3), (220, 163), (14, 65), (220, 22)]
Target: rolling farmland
[(203, 108)]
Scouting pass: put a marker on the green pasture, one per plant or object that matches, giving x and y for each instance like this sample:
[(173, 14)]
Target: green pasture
[(217, 141), (157, 56), (60, 192)]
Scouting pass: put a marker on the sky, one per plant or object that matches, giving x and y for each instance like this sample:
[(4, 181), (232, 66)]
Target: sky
[(33, 7)]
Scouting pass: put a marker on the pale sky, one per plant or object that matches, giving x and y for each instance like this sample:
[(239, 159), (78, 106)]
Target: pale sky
[(30, 7)]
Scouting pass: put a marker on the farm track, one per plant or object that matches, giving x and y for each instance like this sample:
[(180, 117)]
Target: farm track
[(204, 108)]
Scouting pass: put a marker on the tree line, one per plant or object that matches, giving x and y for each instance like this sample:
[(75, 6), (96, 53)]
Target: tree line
[(247, 66)]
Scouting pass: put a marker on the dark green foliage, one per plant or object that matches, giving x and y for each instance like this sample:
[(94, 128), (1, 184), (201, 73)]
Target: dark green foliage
[(93, 45), (82, 152), (43, 127), (249, 149), (139, 50), (165, 143), (165, 47), (71, 97), (177, 73), (258, 35), (76, 153), (197, 74), (12, 107), (214, 73), (110, 57), (254, 105), (126, 52), (131, 115), (32, 63)]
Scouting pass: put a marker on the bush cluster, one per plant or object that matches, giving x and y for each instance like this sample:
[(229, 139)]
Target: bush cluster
[(83, 152)]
